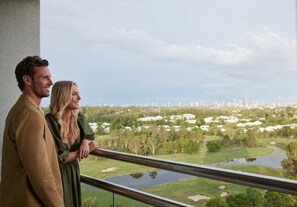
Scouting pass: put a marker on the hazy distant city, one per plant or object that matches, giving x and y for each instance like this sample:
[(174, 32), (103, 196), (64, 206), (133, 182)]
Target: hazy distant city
[(245, 101)]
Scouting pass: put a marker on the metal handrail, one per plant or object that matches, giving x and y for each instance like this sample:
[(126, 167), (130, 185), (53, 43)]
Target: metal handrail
[(132, 193), (243, 178)]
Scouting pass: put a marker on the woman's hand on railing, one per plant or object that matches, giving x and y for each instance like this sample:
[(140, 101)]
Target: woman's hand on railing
[(93, 145)]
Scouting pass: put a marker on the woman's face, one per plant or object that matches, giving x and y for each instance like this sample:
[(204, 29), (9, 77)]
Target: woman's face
[(74, 104)]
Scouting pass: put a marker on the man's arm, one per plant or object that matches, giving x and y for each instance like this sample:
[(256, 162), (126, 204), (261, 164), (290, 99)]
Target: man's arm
[(32, 148)]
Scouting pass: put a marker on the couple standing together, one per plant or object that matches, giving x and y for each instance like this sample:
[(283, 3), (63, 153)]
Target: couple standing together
[(40, 153)]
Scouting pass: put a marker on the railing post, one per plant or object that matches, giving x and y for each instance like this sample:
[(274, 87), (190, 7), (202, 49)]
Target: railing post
[(113, 200)]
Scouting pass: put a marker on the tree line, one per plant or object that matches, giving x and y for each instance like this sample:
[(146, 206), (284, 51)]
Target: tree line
[(254, 198), (150, 138)]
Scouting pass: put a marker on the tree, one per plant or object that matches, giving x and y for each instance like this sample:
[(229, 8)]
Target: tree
[(237, 200), (213, 146), (275, 199), (192, 147), (290, 164), (153, 144), (255, 197), (144, 143), (292, 150), (165, 136), (124, 142), (286, 131), (195, 134), (109, 142), (135, 145), (216, 202), (170, 147), (175, 146), (182, 134), (229, 130), (214, 130), (252, 138), (182, 143), (226, 142)]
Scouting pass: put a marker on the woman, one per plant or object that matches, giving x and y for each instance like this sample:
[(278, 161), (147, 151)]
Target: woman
[(73, 137)]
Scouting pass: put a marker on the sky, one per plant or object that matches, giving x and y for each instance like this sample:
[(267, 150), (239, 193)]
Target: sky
[(172, 52)]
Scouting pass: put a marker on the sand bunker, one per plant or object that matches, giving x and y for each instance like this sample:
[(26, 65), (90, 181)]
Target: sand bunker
[(224, 194), (199, 197), (222, 187), (109, 169)]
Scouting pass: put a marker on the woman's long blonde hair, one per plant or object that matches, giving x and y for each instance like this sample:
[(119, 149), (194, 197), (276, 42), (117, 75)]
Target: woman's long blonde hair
[(61, 96)]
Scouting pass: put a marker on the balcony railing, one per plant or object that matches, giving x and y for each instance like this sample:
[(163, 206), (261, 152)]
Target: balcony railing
[(248, 179)]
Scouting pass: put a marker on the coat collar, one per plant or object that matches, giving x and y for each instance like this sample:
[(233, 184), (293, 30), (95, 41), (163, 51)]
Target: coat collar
[(27, 98)]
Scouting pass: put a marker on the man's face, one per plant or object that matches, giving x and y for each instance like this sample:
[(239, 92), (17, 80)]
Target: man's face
[(42, 82)]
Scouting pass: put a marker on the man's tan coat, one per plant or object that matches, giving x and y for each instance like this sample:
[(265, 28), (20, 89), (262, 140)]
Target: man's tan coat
[(30, 175)]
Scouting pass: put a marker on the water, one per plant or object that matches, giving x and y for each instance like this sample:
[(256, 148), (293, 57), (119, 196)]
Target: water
[(149, 179), (273, 160)]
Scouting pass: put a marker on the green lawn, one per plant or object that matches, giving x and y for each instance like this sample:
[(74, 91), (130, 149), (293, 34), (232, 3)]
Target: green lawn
[(277, 142)]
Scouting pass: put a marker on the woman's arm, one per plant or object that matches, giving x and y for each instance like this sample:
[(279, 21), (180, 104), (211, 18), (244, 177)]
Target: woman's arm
[(86, 147), (72, 156)]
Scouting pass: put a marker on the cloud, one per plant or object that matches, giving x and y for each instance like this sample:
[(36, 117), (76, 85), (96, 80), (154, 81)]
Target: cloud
[(255, 51), (271, 50), (121, 50)]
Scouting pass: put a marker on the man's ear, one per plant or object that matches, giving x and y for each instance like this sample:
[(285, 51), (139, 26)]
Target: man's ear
[(27, 80)]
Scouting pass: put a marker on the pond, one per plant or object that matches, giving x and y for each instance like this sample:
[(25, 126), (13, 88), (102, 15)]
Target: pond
[(273, 160), (149, 179)]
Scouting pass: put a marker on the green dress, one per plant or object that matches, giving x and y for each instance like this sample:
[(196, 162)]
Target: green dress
[(70, 171)]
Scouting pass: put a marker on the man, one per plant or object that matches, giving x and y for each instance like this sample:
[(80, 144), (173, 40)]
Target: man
[(30, 175)]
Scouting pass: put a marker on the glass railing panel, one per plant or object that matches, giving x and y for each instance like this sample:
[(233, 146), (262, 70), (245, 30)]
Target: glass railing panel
[(188, 189), (95, 197), (195, 192), (121, 201), (183, 188), (138, 172), (114, 171), (200, 191)]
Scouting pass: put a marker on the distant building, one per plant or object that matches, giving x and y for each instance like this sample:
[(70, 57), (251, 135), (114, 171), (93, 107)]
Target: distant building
[(106, 127), (189, 116), (174, 118), (205, 127), (193, 121), (150, 118), (93, 126), (255, 123)]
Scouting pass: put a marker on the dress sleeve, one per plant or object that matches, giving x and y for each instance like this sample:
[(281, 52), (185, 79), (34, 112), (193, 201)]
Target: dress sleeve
[(61, 147), (85, 129)]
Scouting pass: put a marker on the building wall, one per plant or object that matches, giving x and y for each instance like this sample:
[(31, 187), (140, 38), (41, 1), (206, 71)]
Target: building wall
[(19, 37)]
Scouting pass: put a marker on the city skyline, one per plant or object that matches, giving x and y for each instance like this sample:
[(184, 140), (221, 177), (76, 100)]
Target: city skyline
[(138, 52), (244, 101)]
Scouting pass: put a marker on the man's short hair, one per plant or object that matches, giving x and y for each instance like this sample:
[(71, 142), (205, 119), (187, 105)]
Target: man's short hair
[(27, 67)]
